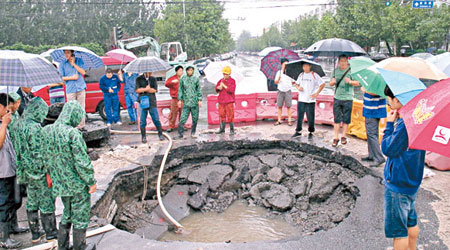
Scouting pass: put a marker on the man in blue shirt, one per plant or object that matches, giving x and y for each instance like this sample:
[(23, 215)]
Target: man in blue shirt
[(110, 86), (403, 174), (374, 109), (130, 95), (72, 71)]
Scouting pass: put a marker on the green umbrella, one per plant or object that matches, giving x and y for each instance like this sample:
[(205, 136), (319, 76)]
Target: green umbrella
[(172, 72), (367, 75)]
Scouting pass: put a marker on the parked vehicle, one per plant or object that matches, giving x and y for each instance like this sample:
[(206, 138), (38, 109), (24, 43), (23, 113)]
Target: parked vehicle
[(94, 95), (201, 64)]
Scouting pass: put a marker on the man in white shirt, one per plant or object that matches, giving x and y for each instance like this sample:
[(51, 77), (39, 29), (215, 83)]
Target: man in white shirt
[(309, 85), (284, 95)]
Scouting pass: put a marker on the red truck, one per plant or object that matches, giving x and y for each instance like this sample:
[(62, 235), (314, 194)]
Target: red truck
[(94, 96)]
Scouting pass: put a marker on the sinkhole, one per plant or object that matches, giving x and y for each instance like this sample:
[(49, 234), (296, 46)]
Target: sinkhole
[(238, 191)]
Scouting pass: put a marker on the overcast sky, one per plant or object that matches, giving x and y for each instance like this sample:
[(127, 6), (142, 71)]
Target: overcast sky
[(260, 14)]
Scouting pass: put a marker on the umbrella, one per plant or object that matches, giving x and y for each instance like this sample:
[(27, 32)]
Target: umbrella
[(21, 69), (405, 87), (412, 66), (270, 64), (213, 72), (423, 56), (368, 76), (172, 72), (122, 55), (147, 64), (442, 62), (335, 47), (293, 69), (267, 50), (90, 59), (427, 121)]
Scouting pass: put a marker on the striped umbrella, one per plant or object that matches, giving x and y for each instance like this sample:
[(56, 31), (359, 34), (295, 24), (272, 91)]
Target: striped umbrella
[(270, 64), (335, 47), (147, 64), (90, 59), (21, 69)]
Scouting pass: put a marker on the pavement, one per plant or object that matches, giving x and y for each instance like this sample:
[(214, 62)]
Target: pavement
[(363, 229)]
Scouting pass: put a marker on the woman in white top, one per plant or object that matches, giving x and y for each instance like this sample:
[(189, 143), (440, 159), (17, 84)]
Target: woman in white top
[(309, 85)]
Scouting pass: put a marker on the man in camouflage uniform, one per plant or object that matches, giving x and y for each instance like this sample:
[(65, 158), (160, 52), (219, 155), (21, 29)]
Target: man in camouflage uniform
[(190, 99), (31, 170), (15, 229), (15, 114), (72, 174)]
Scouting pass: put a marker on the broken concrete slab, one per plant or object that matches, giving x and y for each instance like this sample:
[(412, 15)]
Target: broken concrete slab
[(201, 174), (275, 175)]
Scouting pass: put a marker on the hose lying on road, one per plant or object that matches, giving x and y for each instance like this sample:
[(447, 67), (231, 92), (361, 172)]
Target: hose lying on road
[(161, 170)]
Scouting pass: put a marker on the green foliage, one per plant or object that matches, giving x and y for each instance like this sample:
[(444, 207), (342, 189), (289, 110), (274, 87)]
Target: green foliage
[(366, 23), (204, 31), (73, 21), (94, 47)]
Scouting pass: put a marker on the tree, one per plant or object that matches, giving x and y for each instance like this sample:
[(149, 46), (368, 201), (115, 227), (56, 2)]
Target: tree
[(204, 30), (73, 21), (242, 39)]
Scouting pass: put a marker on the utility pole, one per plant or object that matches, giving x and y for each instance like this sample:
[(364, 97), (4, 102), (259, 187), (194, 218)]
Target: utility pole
[(114, 36), (184, 21)]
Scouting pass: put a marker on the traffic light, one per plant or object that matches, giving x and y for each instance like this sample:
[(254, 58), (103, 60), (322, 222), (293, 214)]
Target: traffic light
[(119, 33), (387, 3)]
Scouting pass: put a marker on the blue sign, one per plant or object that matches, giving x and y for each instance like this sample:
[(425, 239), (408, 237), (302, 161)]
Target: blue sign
[(422, 4)]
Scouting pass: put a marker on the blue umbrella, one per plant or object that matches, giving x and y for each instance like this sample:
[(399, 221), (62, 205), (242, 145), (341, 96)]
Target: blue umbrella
[(90, 59), (405, 87), (21, 69)]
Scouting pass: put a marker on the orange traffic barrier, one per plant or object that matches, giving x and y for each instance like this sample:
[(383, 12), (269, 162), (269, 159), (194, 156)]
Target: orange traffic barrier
[(357, 126)]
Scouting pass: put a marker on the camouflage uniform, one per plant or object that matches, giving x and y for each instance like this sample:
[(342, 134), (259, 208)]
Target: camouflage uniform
[(190, 92), (15, 116), (27, 138), (69, 165)]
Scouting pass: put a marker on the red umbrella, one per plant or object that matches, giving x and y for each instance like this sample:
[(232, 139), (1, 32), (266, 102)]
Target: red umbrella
[(270, 64), (122, 55), (427, 119)]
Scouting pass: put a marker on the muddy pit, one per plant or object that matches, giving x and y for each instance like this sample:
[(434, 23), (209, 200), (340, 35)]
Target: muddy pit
[(309, 187)]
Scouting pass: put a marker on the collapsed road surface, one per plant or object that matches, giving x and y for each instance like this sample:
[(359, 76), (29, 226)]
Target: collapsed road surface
[(349, 215)]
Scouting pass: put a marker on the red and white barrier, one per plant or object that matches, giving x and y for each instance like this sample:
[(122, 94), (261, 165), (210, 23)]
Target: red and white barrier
[(164, 113), (244, 109), (437, 161)]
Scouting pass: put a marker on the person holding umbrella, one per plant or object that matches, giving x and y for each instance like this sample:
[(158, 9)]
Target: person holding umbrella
[(226, 88), (309, 84), (147, 87), (190, 99), (110, 86), (403, 173), (343, 99), (173, 83), (72, 69), (284, 95)]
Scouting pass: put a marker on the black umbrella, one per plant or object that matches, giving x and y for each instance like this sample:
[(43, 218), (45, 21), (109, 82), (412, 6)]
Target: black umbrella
[(335, 47), (293, 69)]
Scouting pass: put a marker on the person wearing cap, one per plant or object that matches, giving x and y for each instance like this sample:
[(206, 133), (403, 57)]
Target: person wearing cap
[(309, 85), (110, 86), (284, 95), (226, 88), (173, 83), (190, 99)]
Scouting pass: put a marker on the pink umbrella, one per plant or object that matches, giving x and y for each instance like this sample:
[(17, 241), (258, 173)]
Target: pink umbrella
[(427, 119), (122, 55)]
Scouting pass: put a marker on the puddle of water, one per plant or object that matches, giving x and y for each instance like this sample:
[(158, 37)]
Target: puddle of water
[(239, 223)]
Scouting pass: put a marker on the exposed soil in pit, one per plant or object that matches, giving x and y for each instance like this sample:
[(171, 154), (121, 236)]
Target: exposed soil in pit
[(311, 188)]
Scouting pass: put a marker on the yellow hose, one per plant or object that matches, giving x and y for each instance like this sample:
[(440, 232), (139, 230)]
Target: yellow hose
[(161, 170)]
